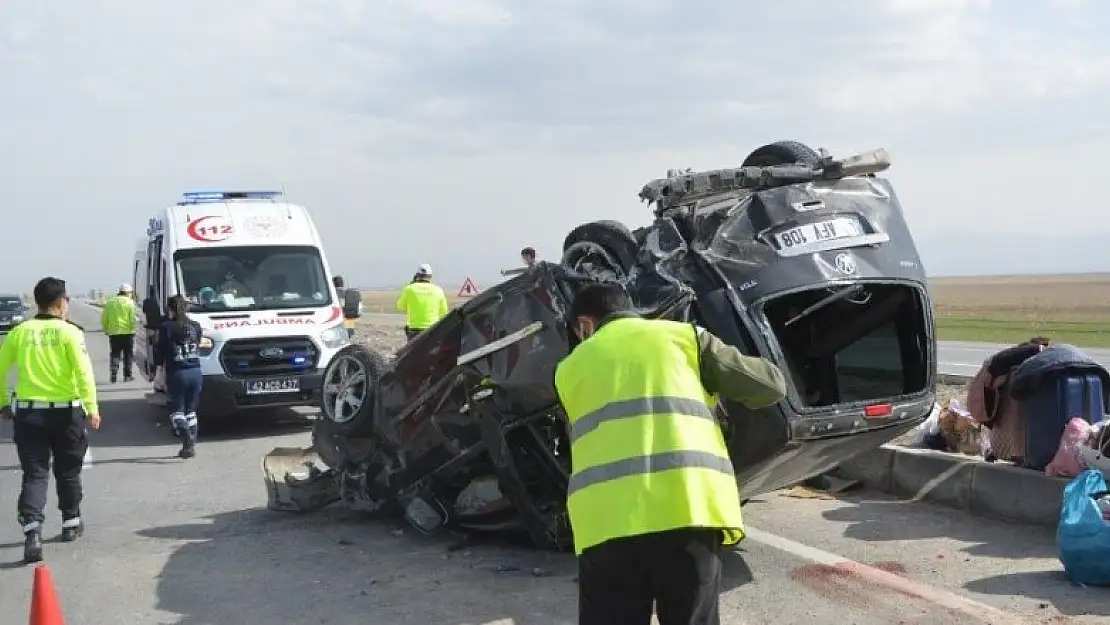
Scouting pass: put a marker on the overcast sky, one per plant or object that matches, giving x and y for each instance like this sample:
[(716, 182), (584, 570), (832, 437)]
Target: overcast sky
[(453, 132)]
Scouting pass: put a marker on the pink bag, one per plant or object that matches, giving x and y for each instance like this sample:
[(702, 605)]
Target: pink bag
[(1066, 463)]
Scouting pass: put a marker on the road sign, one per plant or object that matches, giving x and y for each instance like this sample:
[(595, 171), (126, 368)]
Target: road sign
[(469, 289)]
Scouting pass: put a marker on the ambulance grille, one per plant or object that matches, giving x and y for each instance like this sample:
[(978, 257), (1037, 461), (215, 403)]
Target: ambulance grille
[(261, 357)]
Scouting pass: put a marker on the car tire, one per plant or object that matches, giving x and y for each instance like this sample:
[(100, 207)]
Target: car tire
[(782, 153), (357, 361), (613, 239)]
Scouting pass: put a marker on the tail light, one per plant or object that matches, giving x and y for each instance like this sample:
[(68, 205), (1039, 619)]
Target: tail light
[(878, 411)]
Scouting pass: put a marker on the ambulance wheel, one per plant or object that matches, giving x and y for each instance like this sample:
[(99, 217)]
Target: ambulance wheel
[(782, 153), (350, 388)]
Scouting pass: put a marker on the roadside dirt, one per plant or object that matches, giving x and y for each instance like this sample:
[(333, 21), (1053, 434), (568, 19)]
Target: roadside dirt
[(383, 337)]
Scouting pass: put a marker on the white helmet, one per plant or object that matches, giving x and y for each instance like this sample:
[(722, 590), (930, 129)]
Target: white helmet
[(425, 269), (125, 288)]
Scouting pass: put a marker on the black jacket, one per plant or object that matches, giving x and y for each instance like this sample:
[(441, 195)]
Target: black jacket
[(178, 348)]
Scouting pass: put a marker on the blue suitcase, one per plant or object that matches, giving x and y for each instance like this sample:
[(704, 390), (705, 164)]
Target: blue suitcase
[(1048, 411)]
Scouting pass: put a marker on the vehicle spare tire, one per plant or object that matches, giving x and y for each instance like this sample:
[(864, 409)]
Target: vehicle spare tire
[(611, 237), (782, 153), (350, 388)]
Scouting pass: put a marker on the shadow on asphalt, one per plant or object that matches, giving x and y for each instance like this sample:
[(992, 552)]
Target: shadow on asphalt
[(886, 519), (1052, 587), (877, 520), (134, 422), (337, 566)]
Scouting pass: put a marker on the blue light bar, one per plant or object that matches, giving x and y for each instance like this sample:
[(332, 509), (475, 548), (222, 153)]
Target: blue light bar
[(201, 197)]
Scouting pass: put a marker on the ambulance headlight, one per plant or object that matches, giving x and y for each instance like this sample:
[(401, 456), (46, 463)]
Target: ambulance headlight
[(335, 336), (17, 318), (204, 347)]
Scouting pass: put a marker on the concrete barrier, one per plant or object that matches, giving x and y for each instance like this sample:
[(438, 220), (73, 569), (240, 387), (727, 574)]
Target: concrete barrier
[(996, 490), (952, 378)]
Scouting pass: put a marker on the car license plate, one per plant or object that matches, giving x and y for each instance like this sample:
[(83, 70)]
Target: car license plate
[(280, 385), (818, 232)]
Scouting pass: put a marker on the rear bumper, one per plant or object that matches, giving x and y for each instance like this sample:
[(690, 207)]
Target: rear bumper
[(222, 396)]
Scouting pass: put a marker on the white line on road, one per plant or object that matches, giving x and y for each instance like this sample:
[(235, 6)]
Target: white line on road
[(942, 599)]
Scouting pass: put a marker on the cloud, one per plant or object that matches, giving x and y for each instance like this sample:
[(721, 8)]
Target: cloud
[(425, 112)]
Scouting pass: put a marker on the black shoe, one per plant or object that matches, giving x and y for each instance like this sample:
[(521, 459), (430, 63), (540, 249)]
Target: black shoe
[(70, 534), (188, 450), (127, 377), (32, 547), (112, 378)]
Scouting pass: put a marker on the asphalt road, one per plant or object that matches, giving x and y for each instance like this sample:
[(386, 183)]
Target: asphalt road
[(959, 358), (191, 543)]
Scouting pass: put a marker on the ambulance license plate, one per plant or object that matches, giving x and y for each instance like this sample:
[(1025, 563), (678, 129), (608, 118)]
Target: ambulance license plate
[(273, 385)]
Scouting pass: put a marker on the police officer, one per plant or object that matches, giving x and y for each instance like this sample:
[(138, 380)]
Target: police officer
[(55, 396), (118, 320), (652, 496), (422, 302)]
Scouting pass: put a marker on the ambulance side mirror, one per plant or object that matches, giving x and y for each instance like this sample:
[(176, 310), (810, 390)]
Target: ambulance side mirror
[(352, 304)]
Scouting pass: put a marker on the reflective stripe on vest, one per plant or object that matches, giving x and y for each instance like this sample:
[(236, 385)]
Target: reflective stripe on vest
[(648, 464), (647, 452)]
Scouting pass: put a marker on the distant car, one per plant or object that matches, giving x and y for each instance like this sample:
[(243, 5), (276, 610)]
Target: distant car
[(793, 256), (12, 311)]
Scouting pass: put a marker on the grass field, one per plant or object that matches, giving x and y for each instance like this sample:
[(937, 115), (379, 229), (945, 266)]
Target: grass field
[(1070, 309), (1006, 309)]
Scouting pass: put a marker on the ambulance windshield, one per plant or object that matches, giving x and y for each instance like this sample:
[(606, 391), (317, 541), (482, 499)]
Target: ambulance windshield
[(253, 278)]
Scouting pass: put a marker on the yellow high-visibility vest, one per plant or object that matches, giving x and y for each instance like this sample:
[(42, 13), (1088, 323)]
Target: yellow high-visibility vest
[(647, 452), (423, 303), (52, 361)]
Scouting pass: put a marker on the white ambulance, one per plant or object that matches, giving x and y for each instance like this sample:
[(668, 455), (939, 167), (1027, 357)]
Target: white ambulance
[(253, 270)]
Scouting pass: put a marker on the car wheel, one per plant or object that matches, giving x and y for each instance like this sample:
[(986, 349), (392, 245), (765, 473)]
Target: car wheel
[(601, 247), (782, 153), (349, 389)]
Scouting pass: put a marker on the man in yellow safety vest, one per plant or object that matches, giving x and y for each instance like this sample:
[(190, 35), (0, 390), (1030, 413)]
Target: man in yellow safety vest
[(119, 322), (422, 302), (54, 400), (652, 496)]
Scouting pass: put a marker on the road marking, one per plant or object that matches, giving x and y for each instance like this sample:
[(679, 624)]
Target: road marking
[(944, 599)]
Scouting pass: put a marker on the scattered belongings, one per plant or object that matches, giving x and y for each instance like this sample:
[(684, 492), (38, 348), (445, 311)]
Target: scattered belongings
[(1083, 534), (1066, 462), (952, 429), (1033, 400)]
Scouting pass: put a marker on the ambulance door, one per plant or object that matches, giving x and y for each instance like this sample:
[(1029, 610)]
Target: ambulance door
[(153, 287)]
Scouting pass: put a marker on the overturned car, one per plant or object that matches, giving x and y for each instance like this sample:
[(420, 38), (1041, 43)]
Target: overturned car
[(794, 256)]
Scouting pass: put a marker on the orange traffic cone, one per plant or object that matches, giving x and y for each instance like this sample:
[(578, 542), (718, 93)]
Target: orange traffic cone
[(45, 609)]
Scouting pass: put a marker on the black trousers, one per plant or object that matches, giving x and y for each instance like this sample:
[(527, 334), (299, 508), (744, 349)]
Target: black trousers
[(679, 571), (123, 348), (42, 435), (411, 333)]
